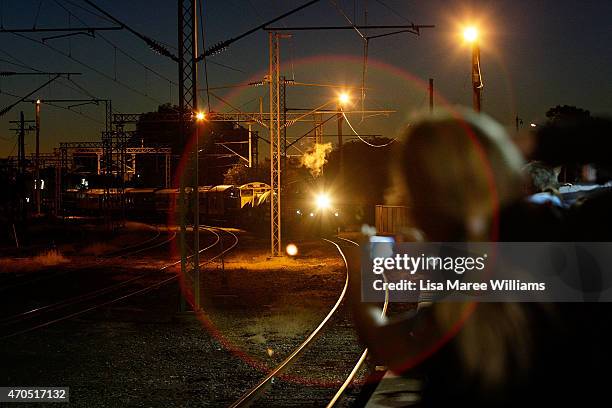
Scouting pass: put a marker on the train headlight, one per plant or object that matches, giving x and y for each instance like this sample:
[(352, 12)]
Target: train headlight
[(323, 201)]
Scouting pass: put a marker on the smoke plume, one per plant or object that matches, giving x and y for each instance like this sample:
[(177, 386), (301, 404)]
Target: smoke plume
[(315, 158)]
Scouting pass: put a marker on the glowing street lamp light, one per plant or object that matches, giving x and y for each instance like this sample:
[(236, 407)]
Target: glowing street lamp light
[(344, 98), (470, 34), (199, 117)]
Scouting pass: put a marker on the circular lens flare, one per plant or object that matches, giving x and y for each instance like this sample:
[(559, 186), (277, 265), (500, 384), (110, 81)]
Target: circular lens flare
[(292, 250)]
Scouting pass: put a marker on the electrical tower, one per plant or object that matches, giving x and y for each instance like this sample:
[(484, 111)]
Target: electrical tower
[(188, 104), (276, 117)]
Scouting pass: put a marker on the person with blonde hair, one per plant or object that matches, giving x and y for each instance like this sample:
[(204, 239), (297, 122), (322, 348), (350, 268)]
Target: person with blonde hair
[(458, 173)]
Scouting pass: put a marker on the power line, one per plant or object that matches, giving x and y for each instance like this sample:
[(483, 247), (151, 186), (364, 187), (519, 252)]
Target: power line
[(11, 106), (385, 5), (100, 16), (91, 68), (21, 64), (118, 48), (215, 49), (61, 107), (203, 35), (154, 44), (361, 138)]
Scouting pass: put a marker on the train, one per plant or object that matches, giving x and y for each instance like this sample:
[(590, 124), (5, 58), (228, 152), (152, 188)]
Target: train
[(246, 206), (222, 204)]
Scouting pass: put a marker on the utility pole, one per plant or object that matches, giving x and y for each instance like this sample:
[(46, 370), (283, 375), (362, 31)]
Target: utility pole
[(340, 142), (188, 100), (21, 155), (518, 122), (21, 130), (37, 183), (431, 95), (275, 143), (277, 127), (250, 145), (22, 168), (476, 77), (21, 171)]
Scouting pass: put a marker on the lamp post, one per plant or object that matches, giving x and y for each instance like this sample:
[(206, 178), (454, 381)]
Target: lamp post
[(470, 34), (343, 100), (37, 183), (199, 118)]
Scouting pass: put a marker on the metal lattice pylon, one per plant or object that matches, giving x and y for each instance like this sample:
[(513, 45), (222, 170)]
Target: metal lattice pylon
[(275, 144), (188, 104), (318, 128)]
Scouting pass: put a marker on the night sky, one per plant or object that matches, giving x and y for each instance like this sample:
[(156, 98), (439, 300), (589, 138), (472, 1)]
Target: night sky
[(535, 54)]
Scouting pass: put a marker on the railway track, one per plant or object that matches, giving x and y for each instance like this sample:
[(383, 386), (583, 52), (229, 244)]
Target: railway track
[(146, 245), (259, 389), (33, 319)]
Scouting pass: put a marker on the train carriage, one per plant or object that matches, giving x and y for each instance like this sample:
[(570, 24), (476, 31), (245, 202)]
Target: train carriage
[(223, 203), (140, 202)]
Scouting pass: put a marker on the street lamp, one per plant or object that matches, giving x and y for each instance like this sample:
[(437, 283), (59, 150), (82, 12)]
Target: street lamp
[(344, 98), (199, 117), (470, 35), (37, 193)]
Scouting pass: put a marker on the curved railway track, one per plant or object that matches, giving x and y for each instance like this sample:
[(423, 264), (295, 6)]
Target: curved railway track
[(65, 309), (139, 247), (251, 394)]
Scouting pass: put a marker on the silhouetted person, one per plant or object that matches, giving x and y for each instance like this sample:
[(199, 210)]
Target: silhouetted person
[(462, 179)]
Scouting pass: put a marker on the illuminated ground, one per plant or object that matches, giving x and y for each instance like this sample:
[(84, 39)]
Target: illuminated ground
[(141, 352)]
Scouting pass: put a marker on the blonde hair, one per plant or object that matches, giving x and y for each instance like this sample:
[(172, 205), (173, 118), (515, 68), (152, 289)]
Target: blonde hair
[(455, 172)]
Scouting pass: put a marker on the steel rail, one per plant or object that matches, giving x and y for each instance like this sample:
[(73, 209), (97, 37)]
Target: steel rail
[(47, 276), (112, 254), (156, 245), (104, 290), (86, 296), (248, 396), (364, 355)]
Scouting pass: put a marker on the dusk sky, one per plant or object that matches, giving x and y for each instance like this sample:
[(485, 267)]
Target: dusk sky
[(535, 55)]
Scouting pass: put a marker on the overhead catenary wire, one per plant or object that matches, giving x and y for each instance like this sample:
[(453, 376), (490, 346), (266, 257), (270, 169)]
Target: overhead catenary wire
[(361, 138), (365, 53), (203, 35), (60, 107), (85, 9), (392, 10), (117, 48), (224, 44), (91, 68), (77, 88), (37, 13), (141, 36), (6, 109), (153, 44)]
